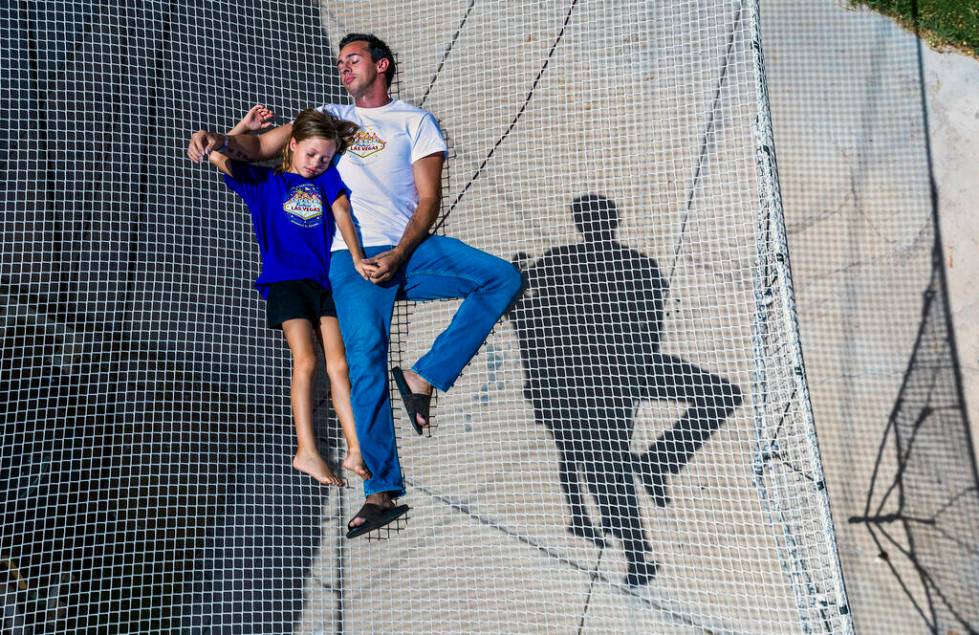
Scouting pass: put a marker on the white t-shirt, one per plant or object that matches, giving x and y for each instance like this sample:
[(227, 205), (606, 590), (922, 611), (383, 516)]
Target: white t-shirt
[(377, 167)]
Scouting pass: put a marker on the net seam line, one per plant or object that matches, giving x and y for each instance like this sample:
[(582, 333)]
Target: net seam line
[(770, 206), (705, 142), (448, 50), (516, 118), (464, 508)]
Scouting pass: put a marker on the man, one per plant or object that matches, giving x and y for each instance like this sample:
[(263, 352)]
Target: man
[(394, 171)]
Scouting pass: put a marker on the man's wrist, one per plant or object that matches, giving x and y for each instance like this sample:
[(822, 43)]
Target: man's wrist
[(223, 146)]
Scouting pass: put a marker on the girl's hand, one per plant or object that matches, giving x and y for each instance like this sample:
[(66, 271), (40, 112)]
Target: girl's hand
[(257, 118), (365, 270)]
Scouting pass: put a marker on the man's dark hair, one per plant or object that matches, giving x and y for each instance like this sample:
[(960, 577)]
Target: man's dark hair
[(379, 51), (595, 215)]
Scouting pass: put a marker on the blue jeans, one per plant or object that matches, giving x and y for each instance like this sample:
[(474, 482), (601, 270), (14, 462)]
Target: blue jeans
[(439, 268)]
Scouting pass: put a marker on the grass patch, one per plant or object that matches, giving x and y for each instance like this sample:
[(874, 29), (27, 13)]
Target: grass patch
[(941, 23)]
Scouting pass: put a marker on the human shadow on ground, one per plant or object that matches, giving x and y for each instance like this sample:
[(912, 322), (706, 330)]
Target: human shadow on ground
[(589, 325)]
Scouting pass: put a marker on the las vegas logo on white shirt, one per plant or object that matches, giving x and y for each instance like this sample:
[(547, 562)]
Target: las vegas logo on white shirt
[(366, 143)]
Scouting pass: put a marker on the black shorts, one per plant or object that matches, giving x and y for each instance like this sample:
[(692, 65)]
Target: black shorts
[(297, 299)]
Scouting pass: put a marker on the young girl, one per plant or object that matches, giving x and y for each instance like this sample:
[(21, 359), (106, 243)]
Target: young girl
[(294, 209)]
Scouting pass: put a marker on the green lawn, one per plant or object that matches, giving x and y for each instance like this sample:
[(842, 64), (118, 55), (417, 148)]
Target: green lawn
[(940, 22)]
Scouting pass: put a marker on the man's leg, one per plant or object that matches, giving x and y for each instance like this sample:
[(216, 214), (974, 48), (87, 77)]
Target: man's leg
[(364, 310), (442, 268), (608, 472), (563, 428), (711, 400)]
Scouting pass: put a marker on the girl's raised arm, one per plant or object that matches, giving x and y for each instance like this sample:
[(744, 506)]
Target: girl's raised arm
[(220, 160)]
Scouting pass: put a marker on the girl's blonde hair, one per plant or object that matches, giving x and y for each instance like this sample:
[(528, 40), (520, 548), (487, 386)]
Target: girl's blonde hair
[(313, 124)]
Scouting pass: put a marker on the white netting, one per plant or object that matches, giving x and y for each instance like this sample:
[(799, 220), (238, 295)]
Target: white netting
[(147, 435)]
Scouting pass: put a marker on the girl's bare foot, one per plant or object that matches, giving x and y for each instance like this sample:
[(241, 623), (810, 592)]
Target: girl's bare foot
[(313, 464), (354, 462)]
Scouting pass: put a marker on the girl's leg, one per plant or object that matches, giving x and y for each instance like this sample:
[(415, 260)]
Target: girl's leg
[(302, 342), (365, 312), (336, 369)]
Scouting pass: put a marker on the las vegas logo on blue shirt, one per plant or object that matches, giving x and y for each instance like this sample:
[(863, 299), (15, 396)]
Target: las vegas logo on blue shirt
[(304, 206)]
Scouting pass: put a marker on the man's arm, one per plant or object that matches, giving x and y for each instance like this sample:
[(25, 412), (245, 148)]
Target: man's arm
[(427, 172), (217, 156), (243, 147)]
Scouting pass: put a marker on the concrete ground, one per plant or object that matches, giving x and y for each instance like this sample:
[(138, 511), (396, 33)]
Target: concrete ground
[(623, 108), (148, 434), (853, 138), (852, 145)]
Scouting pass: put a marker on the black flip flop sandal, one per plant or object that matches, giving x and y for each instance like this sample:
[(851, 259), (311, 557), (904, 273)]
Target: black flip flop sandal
[(375, 517), (415, 403)]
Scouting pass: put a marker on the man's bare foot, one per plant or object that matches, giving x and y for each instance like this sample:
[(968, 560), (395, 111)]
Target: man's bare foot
[(354, 462), (381, 498), (418, 386), (313, 464)]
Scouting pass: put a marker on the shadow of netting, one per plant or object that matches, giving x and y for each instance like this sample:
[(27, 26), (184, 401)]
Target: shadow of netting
[(855, 174), (922, 515), (146, 439)]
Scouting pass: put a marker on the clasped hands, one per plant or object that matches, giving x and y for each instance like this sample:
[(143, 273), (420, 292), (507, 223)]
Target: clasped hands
[(382, 267)]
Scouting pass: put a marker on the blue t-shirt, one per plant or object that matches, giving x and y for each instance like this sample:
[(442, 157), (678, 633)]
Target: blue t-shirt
[(293, 221)]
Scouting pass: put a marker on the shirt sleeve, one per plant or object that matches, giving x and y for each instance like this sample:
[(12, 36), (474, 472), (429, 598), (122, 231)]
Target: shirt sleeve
[(428, 138), (246, 179), (333, 186), (329, 109)]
